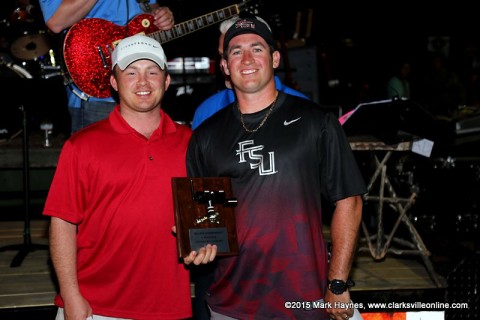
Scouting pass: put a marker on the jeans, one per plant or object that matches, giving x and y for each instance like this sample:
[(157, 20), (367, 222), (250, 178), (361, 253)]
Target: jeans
[(90, 112)]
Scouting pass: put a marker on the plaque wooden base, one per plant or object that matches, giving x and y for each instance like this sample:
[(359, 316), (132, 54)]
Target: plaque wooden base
[(204, 214)]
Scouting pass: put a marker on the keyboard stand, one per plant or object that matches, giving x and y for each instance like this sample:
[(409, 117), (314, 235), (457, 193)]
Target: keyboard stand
[(379, 244)]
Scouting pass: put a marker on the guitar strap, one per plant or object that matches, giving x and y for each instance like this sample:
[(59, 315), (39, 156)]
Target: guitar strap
[(145, 5)]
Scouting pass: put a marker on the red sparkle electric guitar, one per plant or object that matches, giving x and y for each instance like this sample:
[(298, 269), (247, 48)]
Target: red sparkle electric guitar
[(89, 43)]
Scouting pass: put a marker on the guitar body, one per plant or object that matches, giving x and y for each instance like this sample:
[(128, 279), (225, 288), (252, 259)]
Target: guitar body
[(88, 46)]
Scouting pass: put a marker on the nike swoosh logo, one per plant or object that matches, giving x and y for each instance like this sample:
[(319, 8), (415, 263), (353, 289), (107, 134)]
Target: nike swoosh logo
[(286, 123)]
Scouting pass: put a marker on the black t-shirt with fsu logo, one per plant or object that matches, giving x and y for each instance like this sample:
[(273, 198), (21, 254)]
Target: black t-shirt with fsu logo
[(278, 176)]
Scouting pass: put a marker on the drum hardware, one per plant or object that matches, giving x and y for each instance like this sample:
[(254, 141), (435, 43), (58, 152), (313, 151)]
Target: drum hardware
[(53, 69), (429, 222), (449, 201), (50, 68), (53, 62), (47, 128), (405, 177), (27, 246), (22, 14), (10, 120), (467, 223), (25, 12), (26, 19), (44, 66), (17, 70), (445, 163), (48, 72), (54, 74), (464, 225), (4, 22)]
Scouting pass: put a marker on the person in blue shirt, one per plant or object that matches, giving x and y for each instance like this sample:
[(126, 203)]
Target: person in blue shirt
[(59, 15), (226, 96)]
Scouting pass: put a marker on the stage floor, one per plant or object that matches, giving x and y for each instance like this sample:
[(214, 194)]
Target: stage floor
[(32, 283)]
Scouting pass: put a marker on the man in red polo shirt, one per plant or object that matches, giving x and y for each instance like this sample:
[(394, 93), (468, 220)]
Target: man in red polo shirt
[(111, 202)]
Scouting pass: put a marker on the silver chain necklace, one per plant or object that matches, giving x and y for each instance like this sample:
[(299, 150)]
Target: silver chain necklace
[(262, 122)]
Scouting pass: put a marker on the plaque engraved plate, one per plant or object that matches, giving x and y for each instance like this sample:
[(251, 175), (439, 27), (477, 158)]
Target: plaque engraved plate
[(204, 214)]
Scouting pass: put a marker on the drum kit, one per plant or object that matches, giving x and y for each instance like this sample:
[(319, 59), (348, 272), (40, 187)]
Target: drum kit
[(27, 51), (31, 48)]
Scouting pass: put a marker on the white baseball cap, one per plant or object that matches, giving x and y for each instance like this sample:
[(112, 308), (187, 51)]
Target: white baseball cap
[(138, 47)]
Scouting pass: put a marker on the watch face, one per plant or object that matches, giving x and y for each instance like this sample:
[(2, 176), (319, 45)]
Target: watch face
[(338, 286)]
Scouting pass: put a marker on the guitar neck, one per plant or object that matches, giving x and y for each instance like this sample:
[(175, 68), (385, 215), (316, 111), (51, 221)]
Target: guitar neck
[(187, 27)]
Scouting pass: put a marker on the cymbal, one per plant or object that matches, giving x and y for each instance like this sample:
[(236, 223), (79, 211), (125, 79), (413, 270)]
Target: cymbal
[(30, 47)]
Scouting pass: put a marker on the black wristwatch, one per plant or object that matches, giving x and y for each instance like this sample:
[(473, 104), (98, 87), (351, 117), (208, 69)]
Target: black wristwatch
[(339, 286)]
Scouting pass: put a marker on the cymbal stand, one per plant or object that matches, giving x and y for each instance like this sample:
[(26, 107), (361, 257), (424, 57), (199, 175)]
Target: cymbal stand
[(27, 246)]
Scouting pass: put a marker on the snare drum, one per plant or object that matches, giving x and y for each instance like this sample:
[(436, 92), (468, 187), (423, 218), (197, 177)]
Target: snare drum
[(10, 113)]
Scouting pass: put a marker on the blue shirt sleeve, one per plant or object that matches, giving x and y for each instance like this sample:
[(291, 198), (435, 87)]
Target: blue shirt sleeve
[(281, 87), (211, 105)]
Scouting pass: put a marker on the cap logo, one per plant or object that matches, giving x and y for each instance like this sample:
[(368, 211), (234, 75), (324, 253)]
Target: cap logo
[(245, 24), (249, 25), (135, 48), (139, 43)]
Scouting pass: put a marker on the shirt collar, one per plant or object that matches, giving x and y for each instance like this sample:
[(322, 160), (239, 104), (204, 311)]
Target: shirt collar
[(118, 123)]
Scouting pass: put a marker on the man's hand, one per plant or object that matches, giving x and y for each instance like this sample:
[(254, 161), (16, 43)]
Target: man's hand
[(163, 17), (341, 305), (205, 255), (76, 308)]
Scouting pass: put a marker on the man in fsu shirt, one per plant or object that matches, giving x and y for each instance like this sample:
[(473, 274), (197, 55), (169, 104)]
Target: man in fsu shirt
[(282, 153)]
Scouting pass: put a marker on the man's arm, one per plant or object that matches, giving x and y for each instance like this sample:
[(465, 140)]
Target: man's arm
[(344, 235), (63, 251), (68, 13)]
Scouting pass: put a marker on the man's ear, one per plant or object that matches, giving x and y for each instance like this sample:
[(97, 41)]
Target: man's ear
[(223, 64), (168, 79), (276, 59), (113, 82)]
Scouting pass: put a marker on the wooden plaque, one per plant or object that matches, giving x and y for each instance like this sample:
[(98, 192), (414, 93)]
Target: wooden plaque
[(204, 214)]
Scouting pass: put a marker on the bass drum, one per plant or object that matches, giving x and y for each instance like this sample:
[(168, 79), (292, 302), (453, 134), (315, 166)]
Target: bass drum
[(11, 82)]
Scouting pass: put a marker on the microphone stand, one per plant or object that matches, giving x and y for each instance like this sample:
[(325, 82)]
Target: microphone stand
[(27, 246)]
